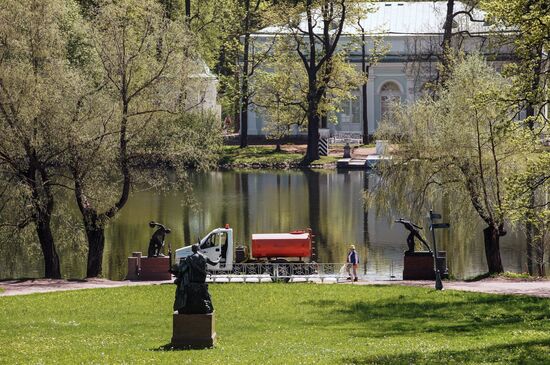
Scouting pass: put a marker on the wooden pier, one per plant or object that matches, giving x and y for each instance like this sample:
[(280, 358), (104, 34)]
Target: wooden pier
[(370, 162)]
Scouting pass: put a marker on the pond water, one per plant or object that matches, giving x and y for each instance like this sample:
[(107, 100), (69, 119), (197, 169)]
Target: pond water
[(330, 202)]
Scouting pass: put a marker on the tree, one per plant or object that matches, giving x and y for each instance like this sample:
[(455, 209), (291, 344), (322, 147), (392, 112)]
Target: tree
[(37, 84), (281, 108), (447, 54), (470, 115), (529, 22), (253, 16), (529, 202), (316, 43), (282, 88), (143, 57)]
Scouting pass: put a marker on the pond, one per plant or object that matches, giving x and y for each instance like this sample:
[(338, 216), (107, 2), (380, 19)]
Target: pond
[(329, 202)]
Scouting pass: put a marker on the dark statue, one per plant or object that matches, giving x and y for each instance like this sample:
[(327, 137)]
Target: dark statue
[(414, 233), (157, 240), (192, 295)]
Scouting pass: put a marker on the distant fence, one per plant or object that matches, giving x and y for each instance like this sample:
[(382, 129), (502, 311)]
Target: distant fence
[(319, 272), (346, 137)]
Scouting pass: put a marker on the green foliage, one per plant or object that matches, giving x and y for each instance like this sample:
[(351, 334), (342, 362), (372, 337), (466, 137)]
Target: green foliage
[(530, 21), (191, 139), (281, 88), (462, 146), (144, 67), (529, 202), (281, 91), (38, 89), (219, 26), (280, 324), (505, 275), (513, 275), (465, 139), (83, 99)]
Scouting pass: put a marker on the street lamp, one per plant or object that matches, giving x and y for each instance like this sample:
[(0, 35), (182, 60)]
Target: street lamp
[(433, 227)]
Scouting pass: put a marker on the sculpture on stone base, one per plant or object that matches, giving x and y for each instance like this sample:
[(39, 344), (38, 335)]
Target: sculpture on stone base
[(192, 295), (157, 240), (414, 233)]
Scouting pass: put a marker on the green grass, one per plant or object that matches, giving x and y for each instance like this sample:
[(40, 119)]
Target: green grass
[(504, 275), (264, 155), (279, 324), (514, 275)]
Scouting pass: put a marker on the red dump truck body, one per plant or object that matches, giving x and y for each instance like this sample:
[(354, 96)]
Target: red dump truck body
[(294, 244)]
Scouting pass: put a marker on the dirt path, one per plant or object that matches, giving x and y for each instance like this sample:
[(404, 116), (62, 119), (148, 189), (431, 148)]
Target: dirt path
[(537, 288), (31, 286)]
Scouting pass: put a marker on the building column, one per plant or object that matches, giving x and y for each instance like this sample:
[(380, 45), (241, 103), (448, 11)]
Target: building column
[(252, 129), (370, 101)]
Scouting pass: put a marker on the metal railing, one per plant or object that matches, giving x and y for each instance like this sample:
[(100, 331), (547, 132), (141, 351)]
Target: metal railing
[(346, 137), (303, 272)]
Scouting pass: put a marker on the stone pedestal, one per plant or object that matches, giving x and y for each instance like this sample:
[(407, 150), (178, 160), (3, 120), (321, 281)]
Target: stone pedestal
[(134, 263), (420, 265), (148, 268), (193, 331)]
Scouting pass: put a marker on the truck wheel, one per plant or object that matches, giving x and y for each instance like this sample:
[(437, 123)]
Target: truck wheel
[(283, 272)]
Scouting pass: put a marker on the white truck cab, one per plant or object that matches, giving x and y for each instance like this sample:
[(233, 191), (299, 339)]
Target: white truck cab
[(216, 245)]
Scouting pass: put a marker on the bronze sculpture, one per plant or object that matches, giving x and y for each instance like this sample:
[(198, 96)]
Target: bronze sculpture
[(414, 232), (192, 295), (157, 240)]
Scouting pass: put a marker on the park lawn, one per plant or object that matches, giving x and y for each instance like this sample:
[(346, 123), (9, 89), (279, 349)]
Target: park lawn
[(265, 155), (279, 324)]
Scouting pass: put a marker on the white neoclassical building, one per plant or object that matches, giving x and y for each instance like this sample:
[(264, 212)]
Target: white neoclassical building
[(202, 91), (411, 33)]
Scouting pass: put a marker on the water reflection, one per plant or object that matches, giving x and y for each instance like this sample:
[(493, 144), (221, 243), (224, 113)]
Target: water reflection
[(329, 202)]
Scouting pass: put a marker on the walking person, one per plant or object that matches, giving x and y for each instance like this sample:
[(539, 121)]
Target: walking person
[(352, 263)]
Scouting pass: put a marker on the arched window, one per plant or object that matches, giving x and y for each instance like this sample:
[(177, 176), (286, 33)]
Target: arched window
[(389, 95)]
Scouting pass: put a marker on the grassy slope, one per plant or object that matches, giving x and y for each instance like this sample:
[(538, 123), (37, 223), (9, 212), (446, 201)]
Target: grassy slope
[(234, 155), (279, 324)]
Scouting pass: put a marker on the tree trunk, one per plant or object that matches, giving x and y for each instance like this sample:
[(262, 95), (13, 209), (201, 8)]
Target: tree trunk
[(529, 227), (51, 259), (446, 44), (529, 242), (187, 11), (491, 236), (312, 152), (541, 270), (244, 89), (365, 70), (96, 244), (530, 115), (43, 202)]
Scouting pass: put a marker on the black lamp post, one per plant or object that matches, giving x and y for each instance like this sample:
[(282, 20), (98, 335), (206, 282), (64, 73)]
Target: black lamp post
[(433, 227)]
